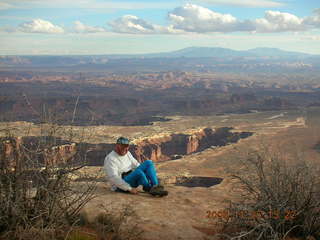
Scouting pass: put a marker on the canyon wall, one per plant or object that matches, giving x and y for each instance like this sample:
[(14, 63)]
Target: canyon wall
[(174, 146), (169, 147), (35, 151), (158, 149)]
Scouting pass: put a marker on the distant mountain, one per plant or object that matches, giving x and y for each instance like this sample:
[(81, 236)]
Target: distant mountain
[(182, 59), (190, 52), (198, 52), (276, 52)]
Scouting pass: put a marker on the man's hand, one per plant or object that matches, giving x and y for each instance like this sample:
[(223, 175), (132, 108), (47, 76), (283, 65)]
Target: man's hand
[(134, 191)]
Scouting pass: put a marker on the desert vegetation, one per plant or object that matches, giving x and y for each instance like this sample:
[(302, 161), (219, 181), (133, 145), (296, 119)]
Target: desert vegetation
[(36, 192), (38, 195), (278, 197)]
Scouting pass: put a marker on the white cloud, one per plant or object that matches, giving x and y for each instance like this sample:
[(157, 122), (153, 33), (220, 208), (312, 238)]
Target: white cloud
[(16, 18), (169, 30), (131, 24), (88, 4), (189, 18), (310, 38), (313, 20), (40, 26), (79, 27), (4, 6), (194, 18), (8, 29), (275, 21), (135, 25), (245, 3)]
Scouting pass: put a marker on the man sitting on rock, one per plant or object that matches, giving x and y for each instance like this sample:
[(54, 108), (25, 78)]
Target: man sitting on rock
[(125, 173)]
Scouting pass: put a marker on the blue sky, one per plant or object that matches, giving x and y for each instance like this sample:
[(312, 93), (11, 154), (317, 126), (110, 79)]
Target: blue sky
[(130, 26)]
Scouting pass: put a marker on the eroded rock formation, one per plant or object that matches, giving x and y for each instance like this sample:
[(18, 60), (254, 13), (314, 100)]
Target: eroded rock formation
[(34, 151), (158, 149), (171, 147)]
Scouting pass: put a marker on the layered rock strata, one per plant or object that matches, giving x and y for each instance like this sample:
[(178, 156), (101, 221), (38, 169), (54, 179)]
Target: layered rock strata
[(158, 149), (35, 151), (174, 146)]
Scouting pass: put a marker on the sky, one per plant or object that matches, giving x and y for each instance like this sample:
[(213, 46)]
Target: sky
[(90, 27)]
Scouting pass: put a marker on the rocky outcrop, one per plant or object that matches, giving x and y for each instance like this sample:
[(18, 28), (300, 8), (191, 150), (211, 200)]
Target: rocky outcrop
[(41, 151), (171, 147), (168, 147), (158, 149)]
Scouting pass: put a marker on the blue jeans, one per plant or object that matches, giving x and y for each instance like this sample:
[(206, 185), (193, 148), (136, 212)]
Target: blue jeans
[(144, 175)]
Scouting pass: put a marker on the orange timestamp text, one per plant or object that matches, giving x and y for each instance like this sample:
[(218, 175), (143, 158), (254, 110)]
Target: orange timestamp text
[(254, 215)]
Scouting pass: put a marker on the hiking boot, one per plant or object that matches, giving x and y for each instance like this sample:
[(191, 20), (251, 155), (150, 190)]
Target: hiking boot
[(158, 191), (159, 187), (147, 189)]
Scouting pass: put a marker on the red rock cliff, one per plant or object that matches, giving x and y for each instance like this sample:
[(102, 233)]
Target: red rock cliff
[(172, 146)]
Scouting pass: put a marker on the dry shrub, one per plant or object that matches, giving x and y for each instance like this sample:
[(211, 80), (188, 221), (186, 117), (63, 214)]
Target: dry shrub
[(37, 193), (81, 234), (39, 197), (36, 233), (278, 197), (114, 225)]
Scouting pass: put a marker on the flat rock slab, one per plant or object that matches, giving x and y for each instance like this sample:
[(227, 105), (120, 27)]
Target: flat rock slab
[(183, 214), (179, 215)]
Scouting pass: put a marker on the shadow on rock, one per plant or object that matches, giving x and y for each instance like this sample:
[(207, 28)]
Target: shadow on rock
[(198, 181)]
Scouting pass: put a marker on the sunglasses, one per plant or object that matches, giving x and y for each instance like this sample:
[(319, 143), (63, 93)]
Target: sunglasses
[(124, 145)]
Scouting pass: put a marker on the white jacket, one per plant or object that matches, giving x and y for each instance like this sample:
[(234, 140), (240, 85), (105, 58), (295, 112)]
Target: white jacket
[(115, 165)]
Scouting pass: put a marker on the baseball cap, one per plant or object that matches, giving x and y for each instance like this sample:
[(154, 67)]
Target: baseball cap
[(123, 140)]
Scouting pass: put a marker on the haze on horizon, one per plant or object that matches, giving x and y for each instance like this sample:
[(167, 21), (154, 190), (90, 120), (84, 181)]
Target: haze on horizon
[(90, 27)]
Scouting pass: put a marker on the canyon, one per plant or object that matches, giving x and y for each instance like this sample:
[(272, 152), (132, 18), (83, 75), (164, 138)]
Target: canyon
[(176, 145), (192, 156), (200, 182), (91, 98), (197, 118), (158, 149)]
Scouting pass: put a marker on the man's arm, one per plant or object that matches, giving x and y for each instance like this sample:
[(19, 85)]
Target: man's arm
[(112, 173), (134, 162)]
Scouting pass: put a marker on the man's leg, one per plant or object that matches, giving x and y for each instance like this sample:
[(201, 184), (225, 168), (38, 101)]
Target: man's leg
[(150, 171), (136, 178), (146, 176), (155, 190)]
